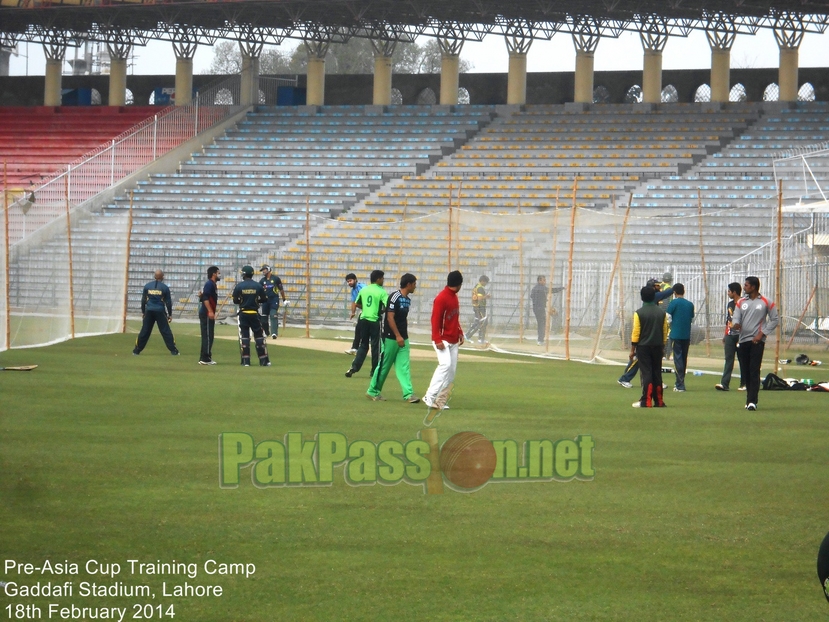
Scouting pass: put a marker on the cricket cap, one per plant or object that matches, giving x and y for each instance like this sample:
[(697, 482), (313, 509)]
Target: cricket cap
[(247, 270)]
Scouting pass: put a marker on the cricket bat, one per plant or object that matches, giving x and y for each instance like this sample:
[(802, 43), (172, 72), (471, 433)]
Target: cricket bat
[(21, 368)]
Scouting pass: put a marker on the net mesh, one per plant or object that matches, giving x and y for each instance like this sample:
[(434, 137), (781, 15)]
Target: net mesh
[(55, 294), (593, 261)]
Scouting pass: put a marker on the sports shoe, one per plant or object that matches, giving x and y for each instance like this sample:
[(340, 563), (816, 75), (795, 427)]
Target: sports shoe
[(637, 404), (349, 373), (274, 336), (136, 353), (376, 398), (751, 406), (539, 343), (742, 388), (204, 362), (678, 390), (246, 365), (719, 387), (176, 353), (352, 351), (268, 364), (414, 399), (622, 383), (211, 362)]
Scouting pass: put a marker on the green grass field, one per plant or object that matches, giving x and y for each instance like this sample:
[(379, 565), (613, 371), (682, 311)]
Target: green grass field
[(700, 511)]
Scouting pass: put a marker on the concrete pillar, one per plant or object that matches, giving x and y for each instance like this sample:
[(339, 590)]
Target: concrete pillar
[(652, 77), (584, 77), (382, 80), (249, 81), (117, 81), (315, 81), (4, 61), (788, 76), (52, 88), (449, 72), (720, 74), (184, 81), (517, 78)]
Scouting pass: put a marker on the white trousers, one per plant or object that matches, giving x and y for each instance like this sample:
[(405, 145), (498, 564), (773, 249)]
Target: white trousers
[(445, 372)]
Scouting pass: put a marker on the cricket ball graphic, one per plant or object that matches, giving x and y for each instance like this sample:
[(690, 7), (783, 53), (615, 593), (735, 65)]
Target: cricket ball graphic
[(468, 460)]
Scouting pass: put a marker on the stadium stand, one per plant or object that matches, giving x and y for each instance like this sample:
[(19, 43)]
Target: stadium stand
[(361, 170), (248, 191), (37, 142)]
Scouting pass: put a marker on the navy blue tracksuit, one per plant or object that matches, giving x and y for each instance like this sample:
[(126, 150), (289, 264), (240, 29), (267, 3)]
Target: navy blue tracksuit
[(156, 307)]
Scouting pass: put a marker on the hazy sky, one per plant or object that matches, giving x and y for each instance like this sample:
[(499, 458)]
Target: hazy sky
[(490, 55)]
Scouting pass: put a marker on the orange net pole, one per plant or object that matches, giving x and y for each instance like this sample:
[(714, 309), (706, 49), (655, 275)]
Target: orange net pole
[(570, 272), (619, 242), (127, 268), (71, 271), (552, 276)]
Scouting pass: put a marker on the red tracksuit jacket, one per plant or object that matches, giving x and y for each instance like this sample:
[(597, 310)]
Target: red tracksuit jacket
[(446, 324)]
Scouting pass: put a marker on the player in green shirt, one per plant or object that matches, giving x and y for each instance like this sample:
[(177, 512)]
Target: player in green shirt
[(372, 301)]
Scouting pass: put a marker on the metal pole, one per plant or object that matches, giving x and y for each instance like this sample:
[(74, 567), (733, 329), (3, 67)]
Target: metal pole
[(112, 164), (71, 272), (520, 278), (552, 276), (196, 128), (600, 328), (570, 272), (8, 254), (155, 136), (307, 267), (127, 268), (449, 243), (779, 293), (704, 278)]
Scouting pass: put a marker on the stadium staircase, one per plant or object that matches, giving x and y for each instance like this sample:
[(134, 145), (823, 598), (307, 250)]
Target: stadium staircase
[(247, 193)]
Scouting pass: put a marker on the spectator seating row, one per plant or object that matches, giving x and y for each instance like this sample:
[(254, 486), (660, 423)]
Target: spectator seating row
[(35, 143)]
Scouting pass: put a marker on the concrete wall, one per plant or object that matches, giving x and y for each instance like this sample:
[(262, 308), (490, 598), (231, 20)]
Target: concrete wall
[(484, 88)]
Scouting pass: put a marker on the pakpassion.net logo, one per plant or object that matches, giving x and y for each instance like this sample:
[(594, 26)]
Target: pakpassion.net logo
[(465, 462)]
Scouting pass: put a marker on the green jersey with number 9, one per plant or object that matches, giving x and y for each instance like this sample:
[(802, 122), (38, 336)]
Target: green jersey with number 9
[(372, 299)]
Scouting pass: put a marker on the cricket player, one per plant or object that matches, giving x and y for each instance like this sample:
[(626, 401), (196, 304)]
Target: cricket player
[(272, 285), (207, 315), (755, 316), (156, 308), (249, 294), (396, 343), (447, 337), (372, 300), (647, 343)]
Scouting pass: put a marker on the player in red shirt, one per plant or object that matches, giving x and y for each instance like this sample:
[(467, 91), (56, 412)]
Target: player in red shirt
[(447, 337)]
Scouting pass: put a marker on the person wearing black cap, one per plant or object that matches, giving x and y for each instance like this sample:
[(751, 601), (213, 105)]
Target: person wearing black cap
[(272, 285), (249, 294), (156, 308), (633, 365), (647, 343), (447, 337)]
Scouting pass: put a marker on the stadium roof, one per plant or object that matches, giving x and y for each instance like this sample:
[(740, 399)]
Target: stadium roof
[(390, 19)]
